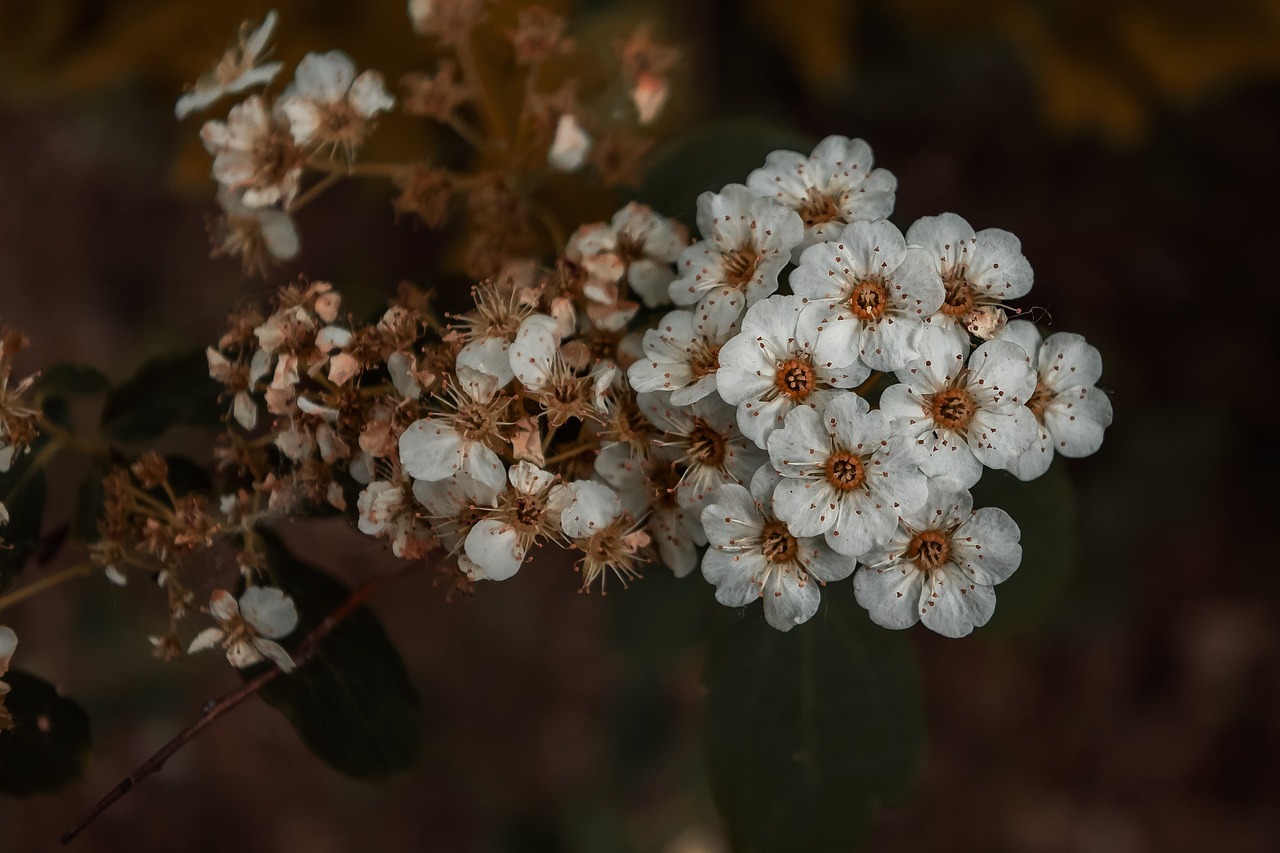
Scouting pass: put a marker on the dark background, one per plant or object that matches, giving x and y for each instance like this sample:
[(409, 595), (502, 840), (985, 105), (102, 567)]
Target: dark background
[(1131, 146)]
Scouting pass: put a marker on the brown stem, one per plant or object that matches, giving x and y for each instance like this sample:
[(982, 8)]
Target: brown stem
[(212, 711)]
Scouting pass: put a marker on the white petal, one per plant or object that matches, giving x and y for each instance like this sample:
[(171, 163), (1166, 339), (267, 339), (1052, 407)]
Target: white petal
[(269, 611), (891, 594), (275, 653), (206, 639), (223, 606), (495, 548), (952, 605)]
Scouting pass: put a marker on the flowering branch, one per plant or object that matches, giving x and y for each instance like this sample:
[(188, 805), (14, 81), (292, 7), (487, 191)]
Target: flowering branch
[(214, 710)]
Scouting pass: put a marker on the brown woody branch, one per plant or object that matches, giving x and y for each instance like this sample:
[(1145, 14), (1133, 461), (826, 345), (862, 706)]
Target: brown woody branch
[(219, 707)]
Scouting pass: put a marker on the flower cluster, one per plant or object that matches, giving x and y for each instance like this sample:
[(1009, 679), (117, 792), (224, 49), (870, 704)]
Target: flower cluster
[(803, 394), (268, 148)]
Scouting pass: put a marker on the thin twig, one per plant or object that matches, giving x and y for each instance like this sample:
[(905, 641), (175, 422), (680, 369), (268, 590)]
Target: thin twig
[(219, 707), (24, 592)]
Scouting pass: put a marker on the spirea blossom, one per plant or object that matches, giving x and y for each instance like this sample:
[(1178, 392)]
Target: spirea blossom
[(329, 106), (753, 554), (236, 70), (941, 566), (249, 628), (832, 187), (1071, 412)]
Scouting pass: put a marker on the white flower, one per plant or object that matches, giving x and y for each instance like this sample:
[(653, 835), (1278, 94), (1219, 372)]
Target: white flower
[(682, 356), (754, 555), (259, 236), (249, 629), (646, 485), (1070, 411), (961, 417), (703, 439), (844, 475), (833, 186), (439, 446), (604, 532), (242, 379), (747, 240), (236, 70), (769, 368), (328, 105), (8, 643), (254, 155), (941, 566), (979, 272), (526, 513), (454, 506), (650, 244), (570, 146), (875, 296), (385, 512)]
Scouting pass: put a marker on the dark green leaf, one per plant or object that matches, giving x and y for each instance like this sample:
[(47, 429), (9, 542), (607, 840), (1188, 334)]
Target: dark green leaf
[(49, 746), (352, 703), (807, 730), (167, 391), (1045, 511), (88, 506), (22, 491), (71, 378), (710, 157)]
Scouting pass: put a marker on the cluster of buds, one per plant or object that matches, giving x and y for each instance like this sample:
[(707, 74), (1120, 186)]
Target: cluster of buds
[(782, 440), (265, 149), (19, 420)]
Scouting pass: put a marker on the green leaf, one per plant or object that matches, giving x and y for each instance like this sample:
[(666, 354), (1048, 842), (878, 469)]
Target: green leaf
[(23, 492), (808, 730), (352, 703), (49, 746), (710, 157), (167, 391), (71, 378), (1045, 511)]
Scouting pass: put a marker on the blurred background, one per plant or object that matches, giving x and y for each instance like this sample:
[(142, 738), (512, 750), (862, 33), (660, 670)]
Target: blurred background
[(1128, 704)]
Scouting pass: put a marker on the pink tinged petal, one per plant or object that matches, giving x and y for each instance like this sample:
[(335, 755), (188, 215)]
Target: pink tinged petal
[(890, 593), (495, 547), (1066, 360), (952, 605), (1076, 419), (242, 654), (223, 606), (998, 266), (369, 95), (275, 653), (790, 599), (986, 547), (206, 639), (269, 611)]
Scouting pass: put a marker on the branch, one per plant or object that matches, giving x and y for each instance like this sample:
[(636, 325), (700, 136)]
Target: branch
[(217, 708)]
